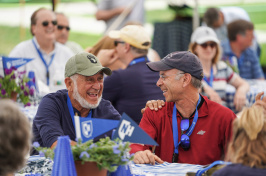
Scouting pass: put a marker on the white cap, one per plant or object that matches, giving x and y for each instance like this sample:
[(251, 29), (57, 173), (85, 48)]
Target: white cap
[(204, 34)]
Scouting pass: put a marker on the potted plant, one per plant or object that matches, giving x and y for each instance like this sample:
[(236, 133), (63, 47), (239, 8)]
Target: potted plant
[(106, 154), (14, 86)]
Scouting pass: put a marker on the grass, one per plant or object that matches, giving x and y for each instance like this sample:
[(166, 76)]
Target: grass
[(10, 36), (263, 54)]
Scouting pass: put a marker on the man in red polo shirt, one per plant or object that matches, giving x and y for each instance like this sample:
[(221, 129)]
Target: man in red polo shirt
[(189, 128)]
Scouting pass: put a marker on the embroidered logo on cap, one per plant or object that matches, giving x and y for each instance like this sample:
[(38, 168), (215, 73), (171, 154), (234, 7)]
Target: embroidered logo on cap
[(92, 59)]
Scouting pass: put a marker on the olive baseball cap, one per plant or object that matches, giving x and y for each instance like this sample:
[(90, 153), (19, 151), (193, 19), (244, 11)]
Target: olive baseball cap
[(181, 60), (85, 64)]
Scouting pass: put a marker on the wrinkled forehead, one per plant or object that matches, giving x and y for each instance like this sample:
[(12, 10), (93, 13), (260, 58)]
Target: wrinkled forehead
[(99, 74), (172, 71), (45, 15)]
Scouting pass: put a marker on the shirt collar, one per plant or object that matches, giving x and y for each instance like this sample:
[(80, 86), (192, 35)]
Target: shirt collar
[(226, 47), (38, 46)]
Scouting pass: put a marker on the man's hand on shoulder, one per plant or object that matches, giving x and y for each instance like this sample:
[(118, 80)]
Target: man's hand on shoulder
[(146, 157), (107, 56), (153, 105)]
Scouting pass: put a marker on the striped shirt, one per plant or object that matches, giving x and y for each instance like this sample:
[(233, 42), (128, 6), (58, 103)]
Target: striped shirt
[(223, 76)]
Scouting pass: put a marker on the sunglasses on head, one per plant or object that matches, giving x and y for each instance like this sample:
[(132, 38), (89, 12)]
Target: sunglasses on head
[(116, 42), (46, 23), (61, 27), (184, 140), (205, 45)]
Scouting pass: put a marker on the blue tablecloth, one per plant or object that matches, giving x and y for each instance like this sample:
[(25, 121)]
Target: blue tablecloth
[(256, 86), (37, 164), (165, 169)]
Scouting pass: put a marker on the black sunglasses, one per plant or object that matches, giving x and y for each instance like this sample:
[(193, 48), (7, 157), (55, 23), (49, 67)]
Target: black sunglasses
[(46, 23), (61, 27), (205, 45), (116, 42)]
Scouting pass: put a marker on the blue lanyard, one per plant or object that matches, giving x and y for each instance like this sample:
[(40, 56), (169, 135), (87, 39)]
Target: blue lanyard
[(201, 171), (71, 111), (138, 60), (210, 80), (175, 125), (45, 64)]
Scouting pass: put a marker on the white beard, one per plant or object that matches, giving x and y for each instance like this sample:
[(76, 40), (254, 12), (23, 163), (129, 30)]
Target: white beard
[(84, 102)]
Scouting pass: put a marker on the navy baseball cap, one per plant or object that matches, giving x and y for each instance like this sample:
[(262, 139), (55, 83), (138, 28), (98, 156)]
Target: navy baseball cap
[(181, 60)]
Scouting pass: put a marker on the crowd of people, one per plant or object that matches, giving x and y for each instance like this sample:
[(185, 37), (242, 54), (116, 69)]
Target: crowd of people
[(121, 73)]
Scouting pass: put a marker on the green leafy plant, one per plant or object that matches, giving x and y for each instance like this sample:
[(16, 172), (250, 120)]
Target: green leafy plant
[(107, 153), (15, 82)]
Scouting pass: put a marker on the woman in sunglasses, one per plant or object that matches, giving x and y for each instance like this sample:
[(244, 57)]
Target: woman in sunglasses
[(205, 44)]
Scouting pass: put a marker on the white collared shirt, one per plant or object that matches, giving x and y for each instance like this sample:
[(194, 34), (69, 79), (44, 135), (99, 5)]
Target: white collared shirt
[(26, 49)]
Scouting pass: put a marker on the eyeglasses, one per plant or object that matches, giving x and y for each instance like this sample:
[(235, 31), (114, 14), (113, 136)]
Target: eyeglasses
[(163, 77), (61, 27), (184, 140), (116, 42), (205, 45), (46, 23)]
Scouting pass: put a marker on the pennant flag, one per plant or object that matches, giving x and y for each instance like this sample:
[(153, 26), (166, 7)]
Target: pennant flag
[(89, 128), (63, 159), (128, 130), (9, 62)]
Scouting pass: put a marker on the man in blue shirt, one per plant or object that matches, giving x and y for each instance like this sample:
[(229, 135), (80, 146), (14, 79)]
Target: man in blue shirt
[(237, 52), (131, 88), (84, 81)]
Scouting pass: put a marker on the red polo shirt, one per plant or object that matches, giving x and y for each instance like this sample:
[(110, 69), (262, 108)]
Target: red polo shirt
[(208, 139)]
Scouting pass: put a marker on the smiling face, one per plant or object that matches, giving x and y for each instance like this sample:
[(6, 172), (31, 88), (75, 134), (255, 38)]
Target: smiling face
[(170, 86), (42, 32), (62, 33), (90, 88), (206, 51)]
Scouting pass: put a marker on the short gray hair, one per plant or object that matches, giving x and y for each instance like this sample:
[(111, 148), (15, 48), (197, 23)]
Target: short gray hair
[(179, 74), (74, 77), (194, 81)]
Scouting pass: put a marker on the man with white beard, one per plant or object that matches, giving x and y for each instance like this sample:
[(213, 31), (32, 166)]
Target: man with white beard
[(84, 81)]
